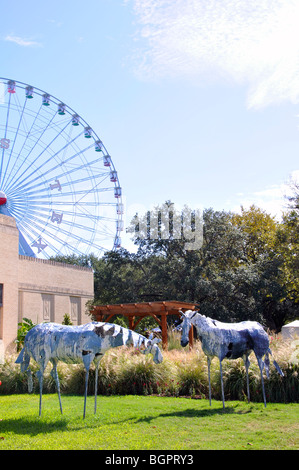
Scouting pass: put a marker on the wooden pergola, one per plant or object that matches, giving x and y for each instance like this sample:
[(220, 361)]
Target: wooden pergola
[(135, 312)]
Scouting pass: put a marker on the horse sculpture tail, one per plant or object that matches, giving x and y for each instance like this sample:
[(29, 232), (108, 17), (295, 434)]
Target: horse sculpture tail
[(24, 359), (267, 363)]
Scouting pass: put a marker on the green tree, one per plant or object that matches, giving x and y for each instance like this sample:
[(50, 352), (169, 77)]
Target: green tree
[(287, 252), (246, 266), (271, 247), (259, 230)]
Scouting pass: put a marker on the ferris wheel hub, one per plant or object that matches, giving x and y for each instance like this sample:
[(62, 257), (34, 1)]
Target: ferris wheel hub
[(3, 198)]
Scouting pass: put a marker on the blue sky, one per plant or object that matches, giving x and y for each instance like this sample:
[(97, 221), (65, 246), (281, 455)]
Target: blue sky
[(197, 101)]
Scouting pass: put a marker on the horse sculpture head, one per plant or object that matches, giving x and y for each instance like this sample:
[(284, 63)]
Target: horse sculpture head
[(153, 348), (186, 325)]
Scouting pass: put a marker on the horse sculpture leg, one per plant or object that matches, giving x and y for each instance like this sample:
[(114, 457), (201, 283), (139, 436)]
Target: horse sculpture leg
[(96, 388), (87, 360), (54, 374), (85, 393), (209, 375), (222, 389), (261, 366), (40, 374), (24, 360), (40, 378), (247, 364), (97, 362), (25, 368)]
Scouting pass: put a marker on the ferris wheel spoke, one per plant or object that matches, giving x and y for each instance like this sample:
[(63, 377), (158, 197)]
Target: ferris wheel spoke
[(50, 125), (63, 196), (73, 228), (5, 135), (78, 169), (37, 219), (13, 145), (39, 156), (29, 233), (37, 176), (31, 230), (70, 234), (93, 218), (87, 204), (78, 193), (72, 182), (78, 227), (27, 131), (37, 242), (26, 159), (57, 215), (93, 189), (44, 241)]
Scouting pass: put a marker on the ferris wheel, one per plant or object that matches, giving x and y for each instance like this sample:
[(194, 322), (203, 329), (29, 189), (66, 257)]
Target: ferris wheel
[(57, 179)]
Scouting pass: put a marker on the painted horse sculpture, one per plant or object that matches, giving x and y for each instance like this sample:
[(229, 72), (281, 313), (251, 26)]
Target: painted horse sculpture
[(229, 340), (74, 344)]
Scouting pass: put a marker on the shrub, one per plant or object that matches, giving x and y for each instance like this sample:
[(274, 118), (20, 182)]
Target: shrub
[(67, 320), (24, 327)]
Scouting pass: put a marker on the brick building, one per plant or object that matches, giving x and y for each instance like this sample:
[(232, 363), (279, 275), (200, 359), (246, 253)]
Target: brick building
[(38, 289)]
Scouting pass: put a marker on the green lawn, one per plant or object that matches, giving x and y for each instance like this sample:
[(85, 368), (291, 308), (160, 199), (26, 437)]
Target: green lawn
[(145, 423)]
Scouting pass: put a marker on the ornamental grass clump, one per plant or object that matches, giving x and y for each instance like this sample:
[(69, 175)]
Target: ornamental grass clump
[(138, 378), (128, 371), (235, 381), (135, 374), (15, 381), (190, 371), (183, 372), (174, 340)]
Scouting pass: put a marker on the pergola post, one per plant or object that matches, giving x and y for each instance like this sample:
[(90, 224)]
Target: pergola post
[(191, 337), (131, 322), (164, 330)]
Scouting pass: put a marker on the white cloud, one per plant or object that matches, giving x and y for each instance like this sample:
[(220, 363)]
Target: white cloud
[(56, 23), (271, 199), (22, 41), (254, 43)]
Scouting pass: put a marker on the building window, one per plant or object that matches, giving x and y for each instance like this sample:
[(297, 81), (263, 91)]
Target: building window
[(48, 307), (75, 310), (1, 295)]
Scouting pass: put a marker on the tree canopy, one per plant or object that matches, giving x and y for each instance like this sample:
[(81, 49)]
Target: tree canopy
[(246, 267)]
